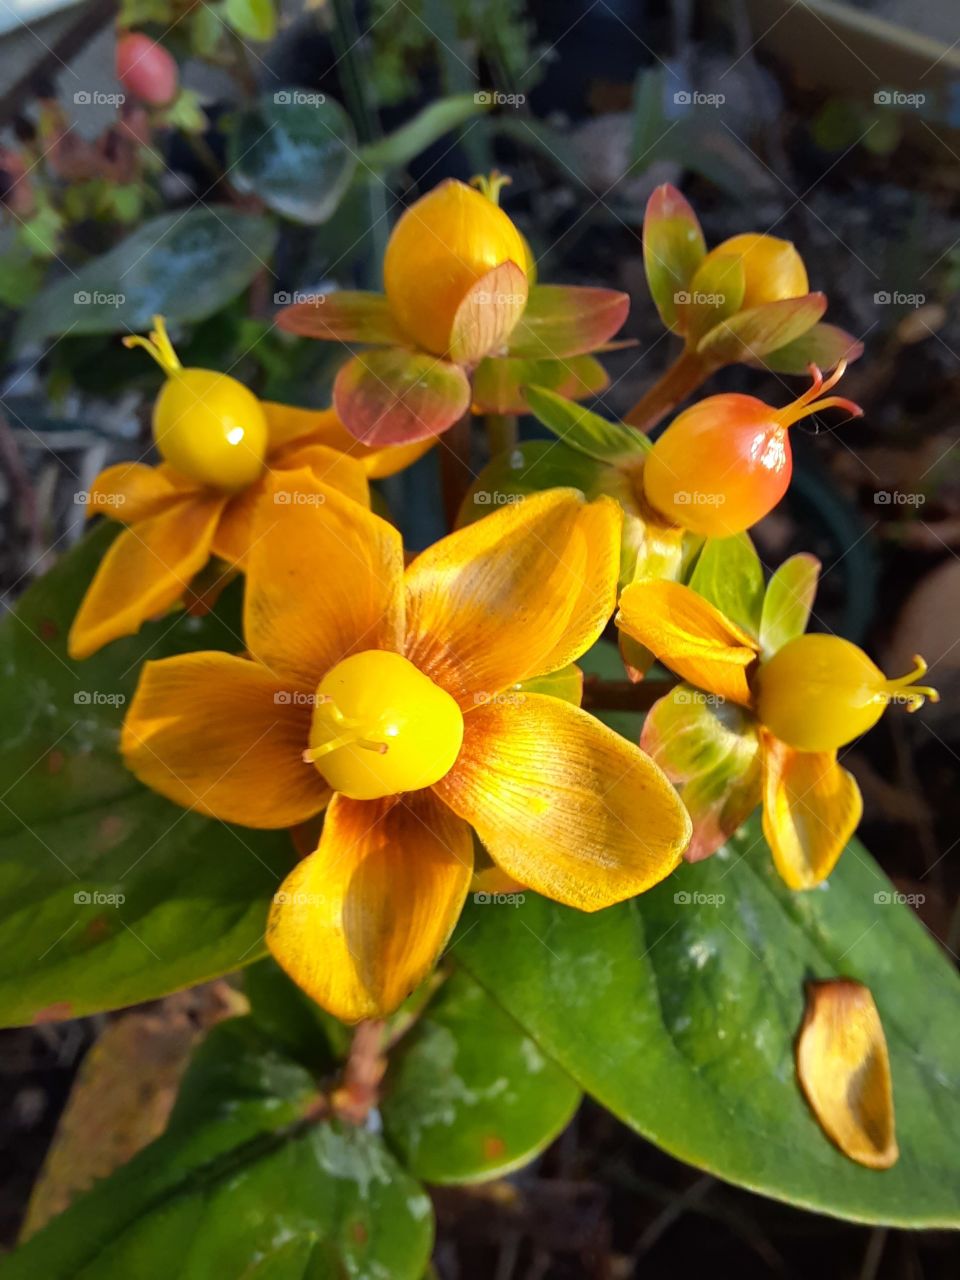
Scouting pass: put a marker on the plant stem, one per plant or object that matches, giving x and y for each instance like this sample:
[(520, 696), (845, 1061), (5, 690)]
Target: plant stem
[(501, 432), (360, 1091), (688, 372), (456, 474)]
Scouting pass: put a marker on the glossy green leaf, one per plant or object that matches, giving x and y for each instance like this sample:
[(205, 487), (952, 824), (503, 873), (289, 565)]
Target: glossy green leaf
[(109, 894), (584, 430), (500, 382), (246, 1182), (184, 266), (728, 573), (297, 151), (291, 1020), (394, 396), (716, 291), (673, 248), (397, 149), (567, 684), (679, 1011), (751, 334), (567, 320), (825, 345), (468, 1094), (253, 19), (788, 602), (532, 466)]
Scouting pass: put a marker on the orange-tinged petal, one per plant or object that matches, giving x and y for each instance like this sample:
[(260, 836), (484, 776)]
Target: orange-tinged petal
[(131, 491), (844, 1070), (237, 526), (811, 808), (217, 733), (690, 636), (518, 594), (147, 568), (324, 580), (563, 804), (287, 424), (362, 921)]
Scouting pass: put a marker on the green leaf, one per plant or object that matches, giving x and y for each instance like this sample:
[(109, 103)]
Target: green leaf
[(673, 248), (397, 149), (184, 266), (584, 430), (749, 335), (679, 1010), (469, 1095), (567, 684), (500, 382), (349, 315), (297, 151), (532, 466), (78, 833), (567, 320), (788, 602), (716, 291), (825, 345), (728, 573), (252, 19), (246, 1182), (292, 1020)]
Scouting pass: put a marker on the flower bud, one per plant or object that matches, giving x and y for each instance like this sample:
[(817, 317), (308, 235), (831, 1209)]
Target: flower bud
[(819, 692), (726, 462), (772, 268), (438, 250), (146, 70)]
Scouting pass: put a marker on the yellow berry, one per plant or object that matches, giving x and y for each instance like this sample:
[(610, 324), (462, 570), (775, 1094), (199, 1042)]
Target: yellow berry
[(381, 727), (209, 427), (773, 269), (438, 250), (819, 692)]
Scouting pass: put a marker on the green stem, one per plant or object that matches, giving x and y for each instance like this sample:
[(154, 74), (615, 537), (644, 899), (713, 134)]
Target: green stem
[(688, 372), (501, 432)]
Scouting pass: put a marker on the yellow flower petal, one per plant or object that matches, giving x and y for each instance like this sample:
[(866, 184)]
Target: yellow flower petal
[(236, 530), (324, 580), (844, 1070), (147, 568), (219, 734), (131, 491), (563, 804), (689, 636), (517, 594), (361, 922), (323, 426), (811, 808)]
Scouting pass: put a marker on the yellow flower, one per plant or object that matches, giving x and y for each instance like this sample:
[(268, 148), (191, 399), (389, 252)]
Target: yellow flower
[(397, 691), (795, 707), (441, 247), (176, 515)]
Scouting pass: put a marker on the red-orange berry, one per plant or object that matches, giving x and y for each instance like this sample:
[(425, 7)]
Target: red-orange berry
[(725, 463), (146, 70)]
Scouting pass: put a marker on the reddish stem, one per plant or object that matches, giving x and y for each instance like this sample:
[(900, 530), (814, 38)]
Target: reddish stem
[(688, 372)]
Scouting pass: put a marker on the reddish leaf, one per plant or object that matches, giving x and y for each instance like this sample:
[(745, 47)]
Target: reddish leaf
[(563, 320), (673, 248), (396, 396), (499, 381), (751, 334), (346, 316), (488, 314), (825, 345)]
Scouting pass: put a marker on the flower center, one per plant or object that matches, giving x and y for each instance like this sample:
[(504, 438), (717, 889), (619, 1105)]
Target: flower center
[(206, 425), (819, 692), (381, 727)]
